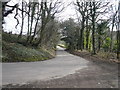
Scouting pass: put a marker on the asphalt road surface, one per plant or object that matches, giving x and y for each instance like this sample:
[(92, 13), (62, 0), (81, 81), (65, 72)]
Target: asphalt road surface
[(64, 71), (23, 72)]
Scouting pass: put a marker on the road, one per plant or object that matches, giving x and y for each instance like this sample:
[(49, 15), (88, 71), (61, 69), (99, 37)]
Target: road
[(64, 71), (23, 72)]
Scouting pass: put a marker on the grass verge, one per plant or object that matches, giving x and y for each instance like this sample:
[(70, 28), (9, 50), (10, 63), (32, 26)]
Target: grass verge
[(101, 56), (15, 52)]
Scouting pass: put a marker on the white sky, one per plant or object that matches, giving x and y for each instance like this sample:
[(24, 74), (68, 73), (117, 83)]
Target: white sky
[(69, 12)]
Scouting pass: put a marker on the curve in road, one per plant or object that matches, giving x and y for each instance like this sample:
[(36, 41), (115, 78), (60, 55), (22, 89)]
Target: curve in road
[(23, 72)]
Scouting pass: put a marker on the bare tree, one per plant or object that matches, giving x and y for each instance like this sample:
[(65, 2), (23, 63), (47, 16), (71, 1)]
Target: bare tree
[(30, 29), (36, 24), (48, 12), (118, 33), (19, 36), (113, 19), (82, 8)]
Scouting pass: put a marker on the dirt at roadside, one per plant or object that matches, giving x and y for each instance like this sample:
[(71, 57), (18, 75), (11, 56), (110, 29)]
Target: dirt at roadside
[(88, 56)]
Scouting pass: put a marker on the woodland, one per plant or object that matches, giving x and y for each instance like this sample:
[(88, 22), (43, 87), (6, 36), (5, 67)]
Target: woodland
[(90, 32)]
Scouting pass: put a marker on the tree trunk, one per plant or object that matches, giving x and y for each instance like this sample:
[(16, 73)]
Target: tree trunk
[(111, 35), (31, 24), (42, 24), (19, 37), (82, 34), (35, 30), (118, 34), (93, 28), (28, 32), (99, 43), (87, 32)]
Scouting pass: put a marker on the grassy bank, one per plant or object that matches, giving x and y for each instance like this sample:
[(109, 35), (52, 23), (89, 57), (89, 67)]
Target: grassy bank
[(16, 52), (101, 56)]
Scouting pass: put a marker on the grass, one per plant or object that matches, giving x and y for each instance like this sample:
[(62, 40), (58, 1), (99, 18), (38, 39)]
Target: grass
[(15, 52), (107, 55), (103, 56)]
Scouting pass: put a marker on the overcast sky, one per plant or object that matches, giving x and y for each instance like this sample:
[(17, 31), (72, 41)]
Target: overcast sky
[(69, 12)]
